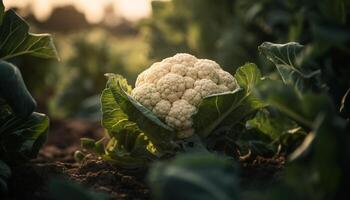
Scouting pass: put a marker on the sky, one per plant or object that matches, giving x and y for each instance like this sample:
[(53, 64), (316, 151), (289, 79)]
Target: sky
[(92, 9)]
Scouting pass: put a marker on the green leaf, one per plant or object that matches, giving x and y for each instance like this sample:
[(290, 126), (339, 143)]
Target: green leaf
[(27, 138), (198, 176), (3, 186), (5, 174), (61, 189), (5, 171), (14, 92), (158, 133), (301, 108), (128, 146), (228, 108), (112, 114), (15, 39), (272, 124), (285, 57), (214, 109), (248, 76), (130, 151), (22, 140), (2, 11), (21, 131)]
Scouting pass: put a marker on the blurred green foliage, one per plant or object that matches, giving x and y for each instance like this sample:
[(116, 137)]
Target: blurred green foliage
[(87, 56), (229, 32)]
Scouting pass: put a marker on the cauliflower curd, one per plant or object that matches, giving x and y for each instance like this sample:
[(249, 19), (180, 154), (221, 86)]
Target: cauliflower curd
[(174, 87)]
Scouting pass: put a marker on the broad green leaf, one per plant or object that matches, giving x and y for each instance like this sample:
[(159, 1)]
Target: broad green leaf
[(159, 133), (280, 129), (301, 108), (2, 11), (111, 111), (15, 39), (199, 176), (14, 92), (285, 58), (229, 108), (61, 189), (23, 140), (5, 171), (128, 146), (272, 124), (246, 109), (214, 109), (248, 76), (129, 151)]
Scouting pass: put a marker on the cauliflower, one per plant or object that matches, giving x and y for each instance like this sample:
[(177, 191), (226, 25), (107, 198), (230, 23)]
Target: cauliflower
[(162, 108), (206, 87), (147, 95), (173, 89), (180, 115)]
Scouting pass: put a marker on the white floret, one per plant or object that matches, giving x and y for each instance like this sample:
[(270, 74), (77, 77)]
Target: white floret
[(171, 87), (156, 72), (162, 108), (192, 96), (147, 95), (179, 69), (182, 58), (189, 82), (209, 62), (192, 72), (227, 79), (206, 70), (180, 115), (174, 88), (222, 89), (206, 87), (140, 79)]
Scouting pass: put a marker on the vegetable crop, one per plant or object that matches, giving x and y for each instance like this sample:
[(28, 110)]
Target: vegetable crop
[(22, 131), (173, 88), (177, 101)]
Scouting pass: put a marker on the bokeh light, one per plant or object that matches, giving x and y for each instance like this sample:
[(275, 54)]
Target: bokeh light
[(93, 10)]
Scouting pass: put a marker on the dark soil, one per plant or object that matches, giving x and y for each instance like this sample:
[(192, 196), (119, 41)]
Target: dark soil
[(56, 160)]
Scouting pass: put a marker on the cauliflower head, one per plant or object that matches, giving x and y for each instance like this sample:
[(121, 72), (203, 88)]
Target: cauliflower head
[(173, 89)]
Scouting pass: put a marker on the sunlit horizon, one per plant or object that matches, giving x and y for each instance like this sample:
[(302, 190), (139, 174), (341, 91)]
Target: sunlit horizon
[(94, 10)]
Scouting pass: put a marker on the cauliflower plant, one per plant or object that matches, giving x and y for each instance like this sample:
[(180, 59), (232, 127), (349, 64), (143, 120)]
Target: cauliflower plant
[(174, 87)]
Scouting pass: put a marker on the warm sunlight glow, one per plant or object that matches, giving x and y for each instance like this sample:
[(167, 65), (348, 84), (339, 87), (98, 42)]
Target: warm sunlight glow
[(93, 9)]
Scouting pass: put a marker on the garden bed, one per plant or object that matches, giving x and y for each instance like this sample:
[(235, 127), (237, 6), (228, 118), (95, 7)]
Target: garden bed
[(56, 159)]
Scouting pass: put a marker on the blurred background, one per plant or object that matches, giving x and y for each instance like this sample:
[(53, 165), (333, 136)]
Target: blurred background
[(95, 37)]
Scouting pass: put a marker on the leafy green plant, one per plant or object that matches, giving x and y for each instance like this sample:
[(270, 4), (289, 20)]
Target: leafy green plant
[(233, 29), (61, 189), (22, 131), (136, 135), (89, 55), (195, 176), (307, 125)]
